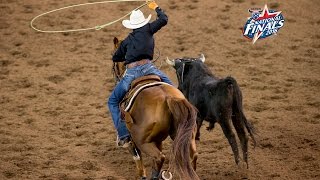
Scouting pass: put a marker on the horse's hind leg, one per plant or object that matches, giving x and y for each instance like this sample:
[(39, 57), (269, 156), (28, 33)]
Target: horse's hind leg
[(227, 130), (136, 153), (243, 137), (154, 151)]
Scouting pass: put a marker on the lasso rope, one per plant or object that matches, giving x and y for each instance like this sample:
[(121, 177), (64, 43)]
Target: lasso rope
[(98, 27)]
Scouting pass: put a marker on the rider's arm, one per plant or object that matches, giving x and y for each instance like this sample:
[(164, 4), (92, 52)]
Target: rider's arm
[(161, 21), (120, 53)]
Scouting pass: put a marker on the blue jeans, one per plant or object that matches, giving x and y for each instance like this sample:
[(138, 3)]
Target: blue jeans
[(123, 87)]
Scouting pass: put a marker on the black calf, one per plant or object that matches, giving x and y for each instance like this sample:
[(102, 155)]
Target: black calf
[(217, 100)]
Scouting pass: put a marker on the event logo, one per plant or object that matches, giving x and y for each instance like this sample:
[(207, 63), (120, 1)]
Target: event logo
[(262, 23)]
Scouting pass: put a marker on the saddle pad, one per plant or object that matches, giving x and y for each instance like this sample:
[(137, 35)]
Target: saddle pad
[(126, 104)]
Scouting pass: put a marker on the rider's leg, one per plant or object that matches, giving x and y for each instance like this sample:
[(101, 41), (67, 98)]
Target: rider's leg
[(113, 104), (115, 98), (153, 70), (163, 77)]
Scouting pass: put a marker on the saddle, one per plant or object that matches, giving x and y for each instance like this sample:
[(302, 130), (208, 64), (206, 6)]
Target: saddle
[(136, 87)]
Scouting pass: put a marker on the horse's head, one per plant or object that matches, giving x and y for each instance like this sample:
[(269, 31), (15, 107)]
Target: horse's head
[(118, 68), (183, 65)]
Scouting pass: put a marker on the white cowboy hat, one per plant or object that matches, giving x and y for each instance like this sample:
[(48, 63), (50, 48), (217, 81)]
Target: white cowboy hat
[(137, 20)]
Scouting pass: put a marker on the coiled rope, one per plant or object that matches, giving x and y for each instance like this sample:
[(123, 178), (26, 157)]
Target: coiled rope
[(98, 27)]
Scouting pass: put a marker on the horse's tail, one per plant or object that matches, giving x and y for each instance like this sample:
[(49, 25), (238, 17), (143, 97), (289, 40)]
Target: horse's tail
[(184, 115), (237, 107)]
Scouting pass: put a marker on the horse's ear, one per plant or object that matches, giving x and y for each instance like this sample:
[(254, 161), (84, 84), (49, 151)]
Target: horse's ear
[(115, 41)]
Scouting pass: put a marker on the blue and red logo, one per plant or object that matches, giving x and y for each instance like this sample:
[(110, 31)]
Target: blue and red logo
[(262, 23)]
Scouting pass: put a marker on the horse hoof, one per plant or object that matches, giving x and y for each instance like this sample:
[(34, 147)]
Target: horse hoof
[(166, 175)]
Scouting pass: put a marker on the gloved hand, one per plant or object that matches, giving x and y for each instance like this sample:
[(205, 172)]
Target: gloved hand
[(152, 4)]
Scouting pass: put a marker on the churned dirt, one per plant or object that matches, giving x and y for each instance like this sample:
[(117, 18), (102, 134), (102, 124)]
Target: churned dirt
[(54, 123)]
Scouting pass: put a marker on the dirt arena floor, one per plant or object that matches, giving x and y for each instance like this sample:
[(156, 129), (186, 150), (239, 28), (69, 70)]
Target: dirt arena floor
[(54, 123)]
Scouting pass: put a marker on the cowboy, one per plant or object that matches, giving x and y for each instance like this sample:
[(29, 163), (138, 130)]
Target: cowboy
[(137, 52)]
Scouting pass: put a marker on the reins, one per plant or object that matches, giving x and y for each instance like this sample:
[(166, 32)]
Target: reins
[(98, 27), (116, 76)]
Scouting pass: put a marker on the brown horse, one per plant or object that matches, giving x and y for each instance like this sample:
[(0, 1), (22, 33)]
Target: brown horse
[(158, 112)]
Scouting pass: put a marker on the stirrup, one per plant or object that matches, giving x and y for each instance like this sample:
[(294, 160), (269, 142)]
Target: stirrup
[(125, 143)]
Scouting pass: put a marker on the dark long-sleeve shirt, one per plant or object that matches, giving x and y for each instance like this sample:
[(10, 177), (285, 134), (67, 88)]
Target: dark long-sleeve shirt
[(140, 42)]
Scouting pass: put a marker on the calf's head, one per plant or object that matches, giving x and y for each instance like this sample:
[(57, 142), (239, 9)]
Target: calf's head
[(184, 65)]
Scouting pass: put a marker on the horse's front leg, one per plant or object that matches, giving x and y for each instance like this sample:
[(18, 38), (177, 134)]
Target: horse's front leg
[(136, 154)]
